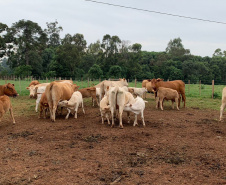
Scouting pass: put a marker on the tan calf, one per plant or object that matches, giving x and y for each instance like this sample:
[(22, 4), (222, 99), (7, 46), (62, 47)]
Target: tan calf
[(44, 106), (89, 92), (105, 109), (166, 94), (5, 105)]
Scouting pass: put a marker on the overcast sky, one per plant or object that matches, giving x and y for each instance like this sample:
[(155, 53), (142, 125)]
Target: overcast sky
[(153, 31)]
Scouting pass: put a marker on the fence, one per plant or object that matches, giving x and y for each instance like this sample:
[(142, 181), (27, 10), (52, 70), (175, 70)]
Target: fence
[(199, 89)]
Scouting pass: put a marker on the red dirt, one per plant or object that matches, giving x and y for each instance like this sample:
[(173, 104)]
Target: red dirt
[(175, 147)]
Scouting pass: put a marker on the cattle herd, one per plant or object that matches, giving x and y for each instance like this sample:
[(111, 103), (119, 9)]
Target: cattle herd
[(112, 97)]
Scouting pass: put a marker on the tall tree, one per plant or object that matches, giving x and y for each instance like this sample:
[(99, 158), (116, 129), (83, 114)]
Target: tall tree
[(53, 32), (176, 48), (3, 28), (27, 36)]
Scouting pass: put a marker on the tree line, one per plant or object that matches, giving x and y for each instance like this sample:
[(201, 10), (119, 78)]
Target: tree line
[(28, 50)]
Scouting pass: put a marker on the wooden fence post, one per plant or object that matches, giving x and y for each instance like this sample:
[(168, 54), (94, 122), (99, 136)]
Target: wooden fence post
[(20, 85), (188, 86), (81, 83), (135, 82), (88, 82), (200, 87), (59, 78), (212, 88)]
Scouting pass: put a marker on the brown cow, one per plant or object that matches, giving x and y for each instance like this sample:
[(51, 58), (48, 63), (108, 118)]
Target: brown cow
[(5, 105), (57, 91), (176, 85), (44, 106), (89, 92), (8, 89)]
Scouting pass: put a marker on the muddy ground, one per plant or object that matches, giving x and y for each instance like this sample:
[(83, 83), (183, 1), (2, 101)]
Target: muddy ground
[(175, 147)]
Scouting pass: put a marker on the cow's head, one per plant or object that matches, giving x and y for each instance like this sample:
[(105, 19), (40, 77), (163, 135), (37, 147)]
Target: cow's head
[(154, 82), (75, 87), (32, 90), (35, 82), (63, 103), (10, 90), (123, 81)]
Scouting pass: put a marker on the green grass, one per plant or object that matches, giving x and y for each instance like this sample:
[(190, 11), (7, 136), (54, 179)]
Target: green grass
[(192, 91)]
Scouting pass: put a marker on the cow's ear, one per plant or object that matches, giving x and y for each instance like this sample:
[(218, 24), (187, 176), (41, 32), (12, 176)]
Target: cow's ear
[(28, 88), (158, 80), (13, 84), (107, 87), (124, 79)]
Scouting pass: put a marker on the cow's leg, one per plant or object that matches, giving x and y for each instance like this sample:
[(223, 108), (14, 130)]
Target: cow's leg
[(68, 113), (142, 117), (176, 101), (184, 99), (11, 113), (120, 116), (222, 109), (112, 117), (107, 116), (95, 98), (76, 110), (128, 116), (45, 112), (83, 107), (37, 102), (54, 110), (161, 103), (102, 117), (40, 112), (156, 102), (172, 104), (179, 100), (135, 120), (1, 114)]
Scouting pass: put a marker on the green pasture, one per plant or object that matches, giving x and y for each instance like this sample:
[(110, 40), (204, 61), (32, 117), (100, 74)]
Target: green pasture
[(197, 97)]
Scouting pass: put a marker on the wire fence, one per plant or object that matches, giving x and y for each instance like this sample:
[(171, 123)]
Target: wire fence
[(203, 89)]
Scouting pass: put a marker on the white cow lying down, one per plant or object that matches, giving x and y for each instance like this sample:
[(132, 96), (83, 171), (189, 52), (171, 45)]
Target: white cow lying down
[(73, 104), (137, 108)]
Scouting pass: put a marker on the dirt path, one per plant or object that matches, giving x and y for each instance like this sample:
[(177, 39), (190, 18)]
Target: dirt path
[(176, 147)]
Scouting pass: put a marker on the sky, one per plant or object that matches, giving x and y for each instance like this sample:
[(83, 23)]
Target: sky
[(153, 31)]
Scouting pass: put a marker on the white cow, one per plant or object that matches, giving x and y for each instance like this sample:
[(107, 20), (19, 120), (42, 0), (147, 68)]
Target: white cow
[(123, 98), (73, 104), (223, 103), (98, 95), (111, 96), (36, 92), (137, 108), (105, 109), (137, 91), (106, 83)]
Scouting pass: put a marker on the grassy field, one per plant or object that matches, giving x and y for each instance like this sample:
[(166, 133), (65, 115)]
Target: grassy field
[(197, 97)]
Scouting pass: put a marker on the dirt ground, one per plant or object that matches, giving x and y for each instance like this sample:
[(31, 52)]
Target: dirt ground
[(175, 147)]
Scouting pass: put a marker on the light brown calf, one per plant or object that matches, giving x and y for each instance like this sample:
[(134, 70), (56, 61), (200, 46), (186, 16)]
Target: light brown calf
[(5, 105), (89, 92), (44, 106), (166, 94)]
